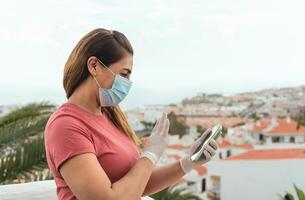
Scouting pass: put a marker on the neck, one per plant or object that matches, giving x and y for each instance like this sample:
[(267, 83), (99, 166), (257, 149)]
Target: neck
[(84, 97)]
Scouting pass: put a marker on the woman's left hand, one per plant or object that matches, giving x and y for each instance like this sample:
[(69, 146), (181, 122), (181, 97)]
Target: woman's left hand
[(209, 151)]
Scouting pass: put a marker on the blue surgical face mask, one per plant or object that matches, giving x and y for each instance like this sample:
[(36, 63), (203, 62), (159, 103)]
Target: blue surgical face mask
[(118, 91)]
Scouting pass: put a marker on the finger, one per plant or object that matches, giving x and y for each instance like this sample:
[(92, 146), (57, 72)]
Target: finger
[(204, 135), (166, 128), (210, 150), (207, 155), (197, 144), (155, 129), (213, 144), (162, 123), (195, 147), (158, 125), (164, 117)]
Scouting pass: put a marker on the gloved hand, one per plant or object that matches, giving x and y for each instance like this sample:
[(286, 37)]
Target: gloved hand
[(209, 151), (158, 140)]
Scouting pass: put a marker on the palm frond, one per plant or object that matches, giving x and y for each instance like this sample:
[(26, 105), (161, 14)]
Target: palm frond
[(289, 196), (22, 129), (27, 155), (26, 121), (171, 193), (30, 110), (300, 193), (22, 155)]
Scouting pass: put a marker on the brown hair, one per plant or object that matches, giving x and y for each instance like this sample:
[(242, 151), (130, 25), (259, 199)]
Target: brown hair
[(109, 47)]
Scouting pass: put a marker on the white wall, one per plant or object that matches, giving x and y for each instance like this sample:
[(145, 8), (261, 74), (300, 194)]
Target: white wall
[(257, 179), (286, 139), (268, 140), (280, 146), (297, 138), (300, 139)]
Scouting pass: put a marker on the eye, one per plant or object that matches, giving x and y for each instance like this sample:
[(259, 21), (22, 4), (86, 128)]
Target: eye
[(124, 75)]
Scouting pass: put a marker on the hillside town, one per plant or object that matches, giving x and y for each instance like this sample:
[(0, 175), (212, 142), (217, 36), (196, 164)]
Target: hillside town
[(263, 147), (261, 151)]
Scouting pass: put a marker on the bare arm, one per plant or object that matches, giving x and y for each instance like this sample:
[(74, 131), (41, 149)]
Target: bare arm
[(88, 181), (163, 177)]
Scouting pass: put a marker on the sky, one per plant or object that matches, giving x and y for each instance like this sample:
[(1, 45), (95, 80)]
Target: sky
[(181, 47)]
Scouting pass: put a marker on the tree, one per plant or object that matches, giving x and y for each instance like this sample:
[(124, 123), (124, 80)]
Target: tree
[(177, 125), (254, 117), (300, 118), (22, 141), (148, 126), (170, 193), (200, 129)]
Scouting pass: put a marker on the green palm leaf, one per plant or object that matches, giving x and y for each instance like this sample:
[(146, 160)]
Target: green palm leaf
[(299, 192), (22, 154), (289, 196), (174, 194), (24, 122)]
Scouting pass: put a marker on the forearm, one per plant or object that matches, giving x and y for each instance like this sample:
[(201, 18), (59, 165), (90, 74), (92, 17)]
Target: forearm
[(162, 177), (132, 185)]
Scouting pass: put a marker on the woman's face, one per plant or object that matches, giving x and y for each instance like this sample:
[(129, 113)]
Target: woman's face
[(123, 67)]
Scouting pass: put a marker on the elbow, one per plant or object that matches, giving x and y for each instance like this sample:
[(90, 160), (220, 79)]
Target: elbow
[(146, 193), (118, 195)]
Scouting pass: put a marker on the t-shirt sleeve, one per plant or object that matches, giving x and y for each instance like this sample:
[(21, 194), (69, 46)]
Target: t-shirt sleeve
[(66, 138)]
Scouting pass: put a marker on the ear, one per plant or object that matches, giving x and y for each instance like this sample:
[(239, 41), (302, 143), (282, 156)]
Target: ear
[(91, 65)]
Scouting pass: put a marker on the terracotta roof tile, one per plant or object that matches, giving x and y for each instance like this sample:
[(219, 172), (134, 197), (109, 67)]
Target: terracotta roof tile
[(260, 125), (284, 127), (177, 157), (177, 146), (224, 143), (201, 170), (269, 154)]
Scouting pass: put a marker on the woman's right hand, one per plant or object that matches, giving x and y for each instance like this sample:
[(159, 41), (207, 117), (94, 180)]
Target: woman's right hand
[(157, 141)]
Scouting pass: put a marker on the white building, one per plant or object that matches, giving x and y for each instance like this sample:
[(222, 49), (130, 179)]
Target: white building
[(195, 180), (256, 174), (227, 149), (271, 131)]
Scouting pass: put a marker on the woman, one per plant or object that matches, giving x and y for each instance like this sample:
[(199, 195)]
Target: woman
[(91, 150)]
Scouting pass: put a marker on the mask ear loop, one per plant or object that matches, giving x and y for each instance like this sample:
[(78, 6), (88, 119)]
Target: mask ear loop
[(96, 81), (106, 66)]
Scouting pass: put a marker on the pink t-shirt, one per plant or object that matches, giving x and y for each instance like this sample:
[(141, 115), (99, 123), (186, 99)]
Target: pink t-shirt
[(71, 131)]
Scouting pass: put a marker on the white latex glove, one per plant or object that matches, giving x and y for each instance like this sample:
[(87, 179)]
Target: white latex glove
[(209, 151), (158, 140)]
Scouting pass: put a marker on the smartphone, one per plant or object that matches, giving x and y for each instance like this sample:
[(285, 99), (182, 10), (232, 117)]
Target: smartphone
[(215, 132)]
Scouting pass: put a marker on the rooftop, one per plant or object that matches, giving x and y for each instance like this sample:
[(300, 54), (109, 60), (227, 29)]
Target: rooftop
[(278, 127), (270, 154)]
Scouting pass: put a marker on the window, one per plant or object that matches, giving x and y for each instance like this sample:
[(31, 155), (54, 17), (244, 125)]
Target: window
[(292, 140), (203, 185), (276, 139), (213, 188), (190, 183), (228, 153)]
